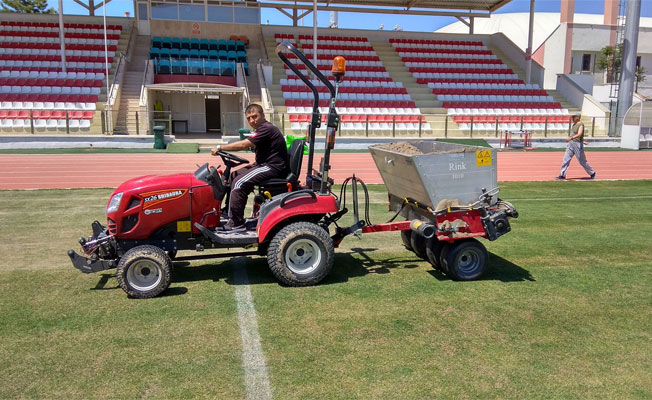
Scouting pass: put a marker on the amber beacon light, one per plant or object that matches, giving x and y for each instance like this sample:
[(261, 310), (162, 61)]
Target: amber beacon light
[(339, 67)]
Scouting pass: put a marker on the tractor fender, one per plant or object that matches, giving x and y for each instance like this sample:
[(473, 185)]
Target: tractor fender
[(292, 204)]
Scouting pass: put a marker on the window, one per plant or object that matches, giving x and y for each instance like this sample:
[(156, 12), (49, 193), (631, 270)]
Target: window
[(638, 61), (164, 11), (586, 62), (142, 11)]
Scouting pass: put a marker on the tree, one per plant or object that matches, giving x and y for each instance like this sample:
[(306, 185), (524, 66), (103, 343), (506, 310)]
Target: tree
[(27, 6), (640, 75), (609, 60)]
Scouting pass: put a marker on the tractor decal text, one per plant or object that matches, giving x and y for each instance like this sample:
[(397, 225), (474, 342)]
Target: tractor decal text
[(151, 199)]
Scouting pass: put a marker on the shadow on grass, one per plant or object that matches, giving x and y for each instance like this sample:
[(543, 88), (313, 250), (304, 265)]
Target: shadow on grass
[(356, 263), (499, 269)]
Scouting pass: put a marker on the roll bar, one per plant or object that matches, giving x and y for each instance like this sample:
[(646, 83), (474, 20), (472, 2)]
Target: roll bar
[(333, 119)]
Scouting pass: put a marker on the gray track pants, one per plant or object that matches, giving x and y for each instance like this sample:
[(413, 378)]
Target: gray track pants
[(575, 149)]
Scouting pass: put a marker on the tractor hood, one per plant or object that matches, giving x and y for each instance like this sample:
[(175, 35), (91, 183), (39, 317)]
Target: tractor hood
[(156, 182)]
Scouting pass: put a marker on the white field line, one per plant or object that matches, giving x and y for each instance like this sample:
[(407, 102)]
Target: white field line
[(584, 198), (253, 359)]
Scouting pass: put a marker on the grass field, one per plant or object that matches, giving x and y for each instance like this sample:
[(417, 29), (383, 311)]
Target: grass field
[(564, 312)]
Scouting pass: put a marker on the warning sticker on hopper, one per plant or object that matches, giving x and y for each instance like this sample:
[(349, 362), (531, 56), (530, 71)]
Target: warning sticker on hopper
[(483, 158)]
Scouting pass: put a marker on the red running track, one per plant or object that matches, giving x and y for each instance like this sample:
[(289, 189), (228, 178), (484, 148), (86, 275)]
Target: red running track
[(33, 171)]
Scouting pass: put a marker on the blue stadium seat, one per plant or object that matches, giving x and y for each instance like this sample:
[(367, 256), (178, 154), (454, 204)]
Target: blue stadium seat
[(212, 67), (227, 68), (194, 53), (221, 45), (165, 53), (184, 53), (241, 56), (174, 52), (196, 67), (213, 55), (154, 52), (163, 66), (176, 43), (194, 44), (230, 45), (180, 66), (231, 55), (222, 55), (157, 42), (166, 42), (212, 44), (203, 54), (203, 44), (240, 46), (185, 43)]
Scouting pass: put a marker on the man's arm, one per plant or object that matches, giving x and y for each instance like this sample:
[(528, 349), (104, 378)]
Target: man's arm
[(235, 146), (580, 132)]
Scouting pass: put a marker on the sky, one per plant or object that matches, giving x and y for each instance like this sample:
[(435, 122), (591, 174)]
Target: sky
[(373, 21)]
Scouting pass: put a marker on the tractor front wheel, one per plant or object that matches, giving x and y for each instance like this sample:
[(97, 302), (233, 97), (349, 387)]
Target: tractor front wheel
[(144, 272), (301, 254), (464, 260)]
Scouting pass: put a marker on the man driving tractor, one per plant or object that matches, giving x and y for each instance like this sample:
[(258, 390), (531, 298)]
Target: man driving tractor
[(271, 162)]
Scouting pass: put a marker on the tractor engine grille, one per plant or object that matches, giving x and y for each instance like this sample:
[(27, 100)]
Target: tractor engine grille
[(113, 228), (129, 223)]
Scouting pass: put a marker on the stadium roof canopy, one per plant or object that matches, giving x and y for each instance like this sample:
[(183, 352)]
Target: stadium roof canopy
[(453, 8)]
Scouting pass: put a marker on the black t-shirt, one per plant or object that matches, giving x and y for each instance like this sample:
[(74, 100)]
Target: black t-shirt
[(270, 147)]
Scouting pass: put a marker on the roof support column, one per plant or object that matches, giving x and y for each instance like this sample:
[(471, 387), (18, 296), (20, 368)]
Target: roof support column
[(528, 51), (314, 33), (567, 16), (471, 25), (611, 18), (62, 37)]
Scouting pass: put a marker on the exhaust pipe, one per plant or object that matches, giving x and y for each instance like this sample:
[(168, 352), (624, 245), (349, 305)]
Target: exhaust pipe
[(422, 228)]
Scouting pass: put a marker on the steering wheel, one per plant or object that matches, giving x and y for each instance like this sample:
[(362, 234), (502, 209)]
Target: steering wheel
[(232, 158)]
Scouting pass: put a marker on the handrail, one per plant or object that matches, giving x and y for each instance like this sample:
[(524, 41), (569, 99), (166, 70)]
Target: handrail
[(264, 90), (241, 77), (143, 93), (113, 90)]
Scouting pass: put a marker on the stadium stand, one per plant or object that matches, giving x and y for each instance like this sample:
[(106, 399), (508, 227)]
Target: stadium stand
[(369, 100), (174, 55), (477, 88), (35, 94)]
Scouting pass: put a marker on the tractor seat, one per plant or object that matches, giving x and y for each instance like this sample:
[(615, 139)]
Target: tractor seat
[(279, 185)]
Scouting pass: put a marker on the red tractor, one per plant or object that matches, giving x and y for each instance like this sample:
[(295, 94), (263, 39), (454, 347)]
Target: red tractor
[(151, 218)]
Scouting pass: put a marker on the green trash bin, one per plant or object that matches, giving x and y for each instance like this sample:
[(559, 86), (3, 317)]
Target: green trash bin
[(244, 133), (159, 134)]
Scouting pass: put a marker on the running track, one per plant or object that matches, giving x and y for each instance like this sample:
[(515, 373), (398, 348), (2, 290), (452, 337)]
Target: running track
[(60, 171)]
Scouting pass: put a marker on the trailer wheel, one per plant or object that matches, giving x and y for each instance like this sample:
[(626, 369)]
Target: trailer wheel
[(144, 272), (464, 260), (433, 252), (405, 237), (418, 244), (301, 254)]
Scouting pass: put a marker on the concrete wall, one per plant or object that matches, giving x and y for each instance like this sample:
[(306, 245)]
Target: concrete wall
[(554, 57), (573, 89), (207, 30), (517, 56)]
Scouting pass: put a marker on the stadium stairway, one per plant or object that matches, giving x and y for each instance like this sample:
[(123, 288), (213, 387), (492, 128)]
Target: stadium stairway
[(421, 94), (132, 85)]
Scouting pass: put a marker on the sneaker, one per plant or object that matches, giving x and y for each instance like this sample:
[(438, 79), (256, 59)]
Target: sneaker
[(560, 178), (592, 176), (230, 228)]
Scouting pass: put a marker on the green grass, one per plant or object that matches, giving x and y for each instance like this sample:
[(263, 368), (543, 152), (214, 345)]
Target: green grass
[(182, 148), (564, 312)]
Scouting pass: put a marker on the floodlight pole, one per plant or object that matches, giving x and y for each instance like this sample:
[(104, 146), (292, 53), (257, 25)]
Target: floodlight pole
[(628, 66), (62, 37), (528, 51), (106, 66)]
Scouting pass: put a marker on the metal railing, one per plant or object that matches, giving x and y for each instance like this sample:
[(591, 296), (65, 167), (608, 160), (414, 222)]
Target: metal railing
[(431, 126)]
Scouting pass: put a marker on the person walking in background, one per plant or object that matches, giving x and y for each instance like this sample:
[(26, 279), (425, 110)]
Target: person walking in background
[(575, 147)]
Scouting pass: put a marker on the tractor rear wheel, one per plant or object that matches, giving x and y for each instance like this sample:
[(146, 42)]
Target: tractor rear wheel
[(433, 252), (418, 244), (144, 272), (301, 254), (464, 260), (405, 237)]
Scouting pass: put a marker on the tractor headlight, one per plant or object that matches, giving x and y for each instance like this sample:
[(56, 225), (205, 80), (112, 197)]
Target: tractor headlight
[(114, 203)]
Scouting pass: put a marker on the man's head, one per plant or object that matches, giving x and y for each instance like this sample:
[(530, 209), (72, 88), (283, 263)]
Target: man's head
[(576, 116), (255, 115)]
